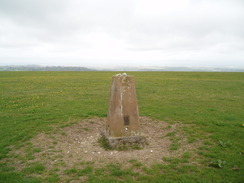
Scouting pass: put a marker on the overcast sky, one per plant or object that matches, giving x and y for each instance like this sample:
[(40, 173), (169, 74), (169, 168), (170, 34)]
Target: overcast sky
[(122, 32)]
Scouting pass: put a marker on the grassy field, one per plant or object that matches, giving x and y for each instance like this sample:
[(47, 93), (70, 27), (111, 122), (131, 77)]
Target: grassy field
[(213, 103)]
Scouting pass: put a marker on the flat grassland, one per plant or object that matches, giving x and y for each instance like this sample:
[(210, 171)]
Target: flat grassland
[(210, 105)]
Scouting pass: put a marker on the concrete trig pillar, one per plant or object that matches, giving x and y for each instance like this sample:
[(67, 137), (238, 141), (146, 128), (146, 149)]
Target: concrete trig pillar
[(123, 110), (122, 126)]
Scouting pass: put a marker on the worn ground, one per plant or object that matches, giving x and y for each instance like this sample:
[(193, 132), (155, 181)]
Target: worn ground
[(77, 145)]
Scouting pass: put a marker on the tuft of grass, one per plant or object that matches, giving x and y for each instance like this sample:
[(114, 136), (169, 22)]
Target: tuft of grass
[(186, 155), (85, 171), (175, 161), (170, 134), (115, 170), (80, 172), (135, 163), (35, 167), (63, 133), (59, 163), (225, 144), (70, 171), (37, 150), (217, 163), (174, 147), (104, 144), (53, 178)]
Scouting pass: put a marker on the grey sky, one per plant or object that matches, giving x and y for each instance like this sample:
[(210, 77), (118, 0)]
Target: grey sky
[(122, 33)]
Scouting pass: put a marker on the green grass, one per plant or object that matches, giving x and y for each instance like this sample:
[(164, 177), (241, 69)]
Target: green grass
[(32, 102), (35, 167), (104, 144)]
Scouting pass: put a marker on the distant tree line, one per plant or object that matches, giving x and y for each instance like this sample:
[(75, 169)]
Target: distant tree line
[(45, 68), (71, 68)]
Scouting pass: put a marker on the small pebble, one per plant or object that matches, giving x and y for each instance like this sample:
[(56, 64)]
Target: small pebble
[(151, 151), (67, 151)]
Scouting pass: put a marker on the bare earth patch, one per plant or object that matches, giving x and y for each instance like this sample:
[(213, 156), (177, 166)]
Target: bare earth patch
[(77, 145)]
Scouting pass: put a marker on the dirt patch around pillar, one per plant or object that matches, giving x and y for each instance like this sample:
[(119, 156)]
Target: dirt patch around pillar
[(77, 145)]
